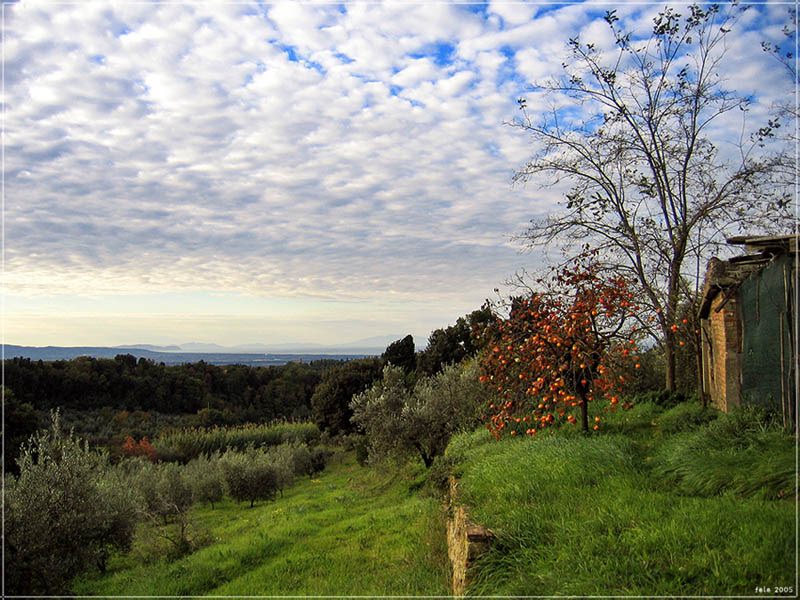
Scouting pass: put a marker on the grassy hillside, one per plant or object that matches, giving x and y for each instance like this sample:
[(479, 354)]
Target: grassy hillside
[(351, 531), (660, 502), (681, 502)]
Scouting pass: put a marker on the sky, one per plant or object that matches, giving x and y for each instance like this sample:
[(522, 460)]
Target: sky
[(257, 172)]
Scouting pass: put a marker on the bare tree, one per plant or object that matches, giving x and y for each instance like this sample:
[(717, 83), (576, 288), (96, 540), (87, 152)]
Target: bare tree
[(651, 188)]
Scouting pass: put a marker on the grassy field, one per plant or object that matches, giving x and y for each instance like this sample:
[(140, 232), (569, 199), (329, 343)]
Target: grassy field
[(660, 502), (351, 531), (681, 503)]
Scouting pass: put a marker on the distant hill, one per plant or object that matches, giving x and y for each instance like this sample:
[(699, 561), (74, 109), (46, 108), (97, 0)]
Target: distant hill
[(248, 354), (370, 345), (151, 347), (50, 353)]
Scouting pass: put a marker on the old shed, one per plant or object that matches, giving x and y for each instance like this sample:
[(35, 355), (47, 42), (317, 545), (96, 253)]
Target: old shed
[(749, 320)]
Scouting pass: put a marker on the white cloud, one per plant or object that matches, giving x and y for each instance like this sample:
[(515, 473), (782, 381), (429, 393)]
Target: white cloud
[(295, 150)]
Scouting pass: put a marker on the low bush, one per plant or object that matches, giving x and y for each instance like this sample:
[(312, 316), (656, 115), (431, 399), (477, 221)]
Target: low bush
[(662, 398), (168, 497), (401, 419), (286, 460), (249, 475), (437, 481), (205, 477)]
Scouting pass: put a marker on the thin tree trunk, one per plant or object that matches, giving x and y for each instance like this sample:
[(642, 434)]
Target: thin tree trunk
[(669, 359), (584, 413)]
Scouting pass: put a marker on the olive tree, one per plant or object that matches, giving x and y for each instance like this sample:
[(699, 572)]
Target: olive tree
[(64, 512), (399, 419), (206, 480), (249, 475), (168, 497)]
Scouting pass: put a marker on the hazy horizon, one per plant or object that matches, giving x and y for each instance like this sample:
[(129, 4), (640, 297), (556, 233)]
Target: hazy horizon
[(194, 346)]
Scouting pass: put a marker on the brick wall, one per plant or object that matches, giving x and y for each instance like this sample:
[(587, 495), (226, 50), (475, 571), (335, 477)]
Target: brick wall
[(722, 354), (466, 541)]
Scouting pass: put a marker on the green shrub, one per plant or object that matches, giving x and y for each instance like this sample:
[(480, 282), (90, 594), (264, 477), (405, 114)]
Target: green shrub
[(282, 460), (184, 445), (205, 477), (63, 513), (637, 421), (168, 497), (400, 420), (437, 481), (249, 475), (662, 398), (166, 491), (319, 458)]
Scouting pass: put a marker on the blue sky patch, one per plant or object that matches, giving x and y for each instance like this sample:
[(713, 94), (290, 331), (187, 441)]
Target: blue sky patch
[(290, 51), (508, 70), (478, 8), (442, 53), (294, 56), (343, 58)]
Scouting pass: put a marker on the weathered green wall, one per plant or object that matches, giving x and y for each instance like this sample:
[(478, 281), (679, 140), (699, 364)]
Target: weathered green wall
[(767, 301)]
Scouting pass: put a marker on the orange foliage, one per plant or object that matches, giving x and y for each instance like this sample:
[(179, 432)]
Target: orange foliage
[(130, 447), (558, 348)]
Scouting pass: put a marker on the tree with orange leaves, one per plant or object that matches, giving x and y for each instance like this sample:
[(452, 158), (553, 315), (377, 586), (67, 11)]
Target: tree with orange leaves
[(556, 350), (130, 447)]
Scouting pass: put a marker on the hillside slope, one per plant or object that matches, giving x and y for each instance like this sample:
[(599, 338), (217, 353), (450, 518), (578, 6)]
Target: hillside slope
[(351, 531), (672, 506)]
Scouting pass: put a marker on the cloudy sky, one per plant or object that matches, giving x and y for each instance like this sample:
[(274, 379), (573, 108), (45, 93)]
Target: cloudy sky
[(278, 172)]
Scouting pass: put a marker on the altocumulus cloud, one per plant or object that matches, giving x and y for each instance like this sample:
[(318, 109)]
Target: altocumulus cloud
[(352, 151)]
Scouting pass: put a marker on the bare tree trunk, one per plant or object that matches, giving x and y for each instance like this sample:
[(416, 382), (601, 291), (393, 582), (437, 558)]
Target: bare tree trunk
[(669, 371), (584, 414)]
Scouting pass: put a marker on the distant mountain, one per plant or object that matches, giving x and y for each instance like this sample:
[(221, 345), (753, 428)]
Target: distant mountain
[(203, 347), (70, 352), (255, 353), (51, 353), (294, 347), (150, 347), (370, 345)]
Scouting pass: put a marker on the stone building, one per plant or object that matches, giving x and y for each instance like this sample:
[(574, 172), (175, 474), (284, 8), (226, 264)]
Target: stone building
[(748, 313)]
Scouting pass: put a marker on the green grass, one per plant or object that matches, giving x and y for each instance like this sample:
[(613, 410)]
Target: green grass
[(351, 531), (605, 515), (661, 502)]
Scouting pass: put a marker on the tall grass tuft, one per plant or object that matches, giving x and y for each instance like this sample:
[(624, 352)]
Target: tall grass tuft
[(685, 417), (739, 453)]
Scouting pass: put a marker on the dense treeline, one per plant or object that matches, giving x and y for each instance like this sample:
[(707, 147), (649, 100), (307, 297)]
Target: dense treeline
[(235, 393), (108, 400)]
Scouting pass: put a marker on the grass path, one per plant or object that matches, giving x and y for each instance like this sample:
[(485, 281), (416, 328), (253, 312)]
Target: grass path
[(352, 531)]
